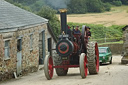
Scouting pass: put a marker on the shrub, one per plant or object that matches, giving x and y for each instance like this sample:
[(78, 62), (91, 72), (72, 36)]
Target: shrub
[(100, 31), (107, 6)]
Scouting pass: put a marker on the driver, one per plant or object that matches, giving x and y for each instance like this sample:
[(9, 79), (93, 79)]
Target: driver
[(76, 30)]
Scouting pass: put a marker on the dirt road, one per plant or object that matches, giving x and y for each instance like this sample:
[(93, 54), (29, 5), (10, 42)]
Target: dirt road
[(114, 74)]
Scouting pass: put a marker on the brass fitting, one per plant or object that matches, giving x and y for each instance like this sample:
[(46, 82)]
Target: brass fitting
[(63, 33), (63, 10)]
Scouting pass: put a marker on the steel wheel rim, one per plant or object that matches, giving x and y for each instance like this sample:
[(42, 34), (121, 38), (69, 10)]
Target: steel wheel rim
[(50, 67), (97, 57), (85, 65), (84, 38)]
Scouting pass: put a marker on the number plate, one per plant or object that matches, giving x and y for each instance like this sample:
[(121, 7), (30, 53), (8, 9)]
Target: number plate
[(100, 60), (64, 58)]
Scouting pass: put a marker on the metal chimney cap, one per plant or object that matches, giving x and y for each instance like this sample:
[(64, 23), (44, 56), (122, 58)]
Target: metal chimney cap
[(63, 10)]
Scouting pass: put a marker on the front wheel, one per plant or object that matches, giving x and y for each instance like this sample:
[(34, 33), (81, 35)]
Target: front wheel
[(48, 67), (61, 71), (100, 63), (83, 65), (110, 61)]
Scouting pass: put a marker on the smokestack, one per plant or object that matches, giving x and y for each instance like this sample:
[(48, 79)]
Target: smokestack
[(63, 16)]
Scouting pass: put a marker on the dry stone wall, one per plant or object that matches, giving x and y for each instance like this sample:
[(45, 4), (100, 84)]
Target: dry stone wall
[(125, 47), (125, 39), (115, 48)]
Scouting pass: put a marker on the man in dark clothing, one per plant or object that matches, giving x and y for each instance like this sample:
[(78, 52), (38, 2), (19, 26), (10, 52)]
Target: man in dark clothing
[(88, 32), (69, 31), (76, 30)]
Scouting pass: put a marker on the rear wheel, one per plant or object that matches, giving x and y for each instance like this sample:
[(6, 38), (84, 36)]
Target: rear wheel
[(93, 58), (83, 65), (48, 67)]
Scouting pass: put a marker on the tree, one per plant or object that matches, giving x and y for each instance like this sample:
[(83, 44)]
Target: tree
[(37, 5), (125, 2), (11, 1), (73, 6), (23, 7), (117, 3), (84, 6), (50, 14), (95, 6), (77, 6), (34, 5)]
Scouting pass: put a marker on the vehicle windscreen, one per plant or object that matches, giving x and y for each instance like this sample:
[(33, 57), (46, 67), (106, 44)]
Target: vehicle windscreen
[(102, 50)]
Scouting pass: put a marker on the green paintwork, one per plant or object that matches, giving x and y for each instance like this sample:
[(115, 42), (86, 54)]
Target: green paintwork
[(105, 54)]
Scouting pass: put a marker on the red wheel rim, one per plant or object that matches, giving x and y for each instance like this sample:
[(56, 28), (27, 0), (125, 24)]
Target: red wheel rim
[(85, 65), (97, 57), (50, 67)]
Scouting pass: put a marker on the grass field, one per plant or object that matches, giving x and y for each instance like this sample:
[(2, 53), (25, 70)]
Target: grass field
[(117, 16)]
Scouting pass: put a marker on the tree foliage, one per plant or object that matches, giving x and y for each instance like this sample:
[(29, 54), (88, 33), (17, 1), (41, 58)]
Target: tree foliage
[(95, 6), (125, 2), (84, 6), (33, 5), (77, 6), (23, 7), (74, 6), (50, 14), (117, 3), (37, 5), (15, 2)]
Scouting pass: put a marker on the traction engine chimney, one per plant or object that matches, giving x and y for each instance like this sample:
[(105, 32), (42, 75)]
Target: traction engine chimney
[(63, 17)]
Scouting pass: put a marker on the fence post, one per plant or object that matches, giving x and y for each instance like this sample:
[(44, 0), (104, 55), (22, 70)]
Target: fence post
[(105, 38)]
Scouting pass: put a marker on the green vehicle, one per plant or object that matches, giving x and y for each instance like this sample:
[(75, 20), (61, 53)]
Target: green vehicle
[(105, 55)]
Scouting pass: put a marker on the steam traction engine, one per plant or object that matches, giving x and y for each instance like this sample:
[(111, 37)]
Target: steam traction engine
[(73, 50)]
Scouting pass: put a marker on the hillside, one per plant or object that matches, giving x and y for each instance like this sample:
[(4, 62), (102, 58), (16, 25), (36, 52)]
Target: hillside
[(117, 16)]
